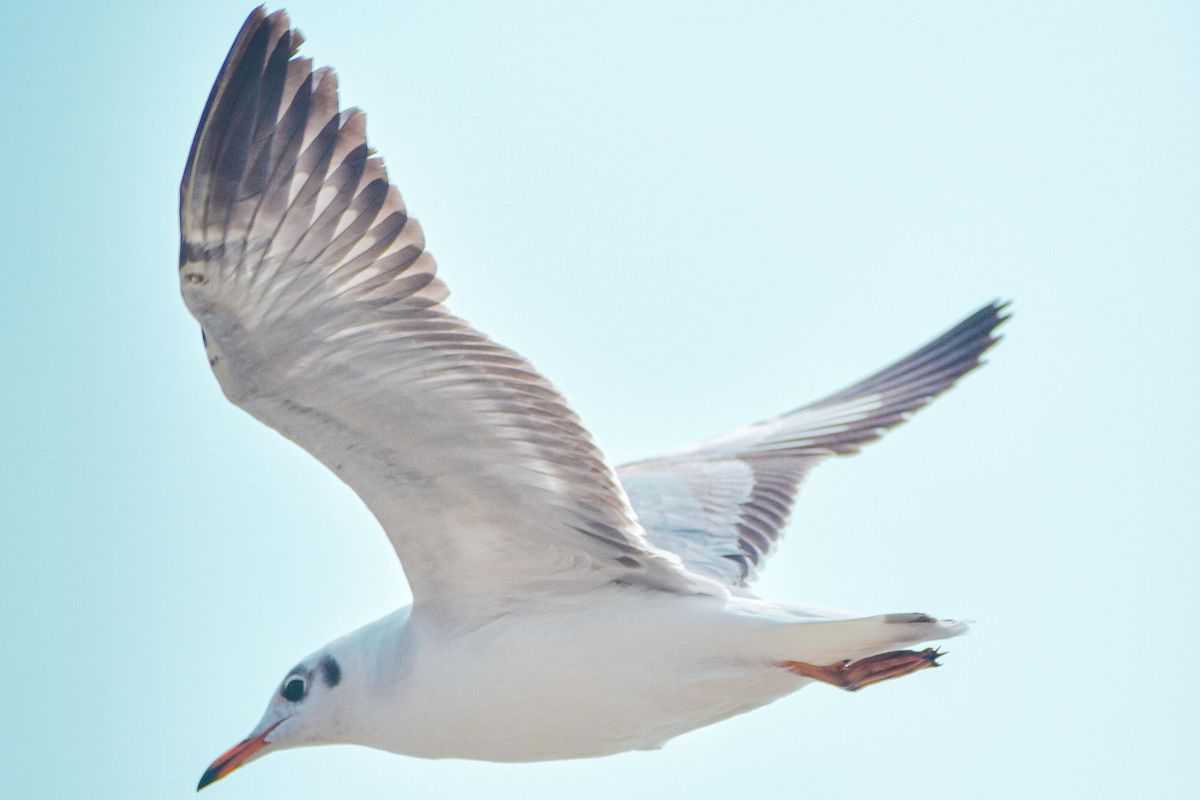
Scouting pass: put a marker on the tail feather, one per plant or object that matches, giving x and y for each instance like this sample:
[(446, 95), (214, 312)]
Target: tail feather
[(820, 641)]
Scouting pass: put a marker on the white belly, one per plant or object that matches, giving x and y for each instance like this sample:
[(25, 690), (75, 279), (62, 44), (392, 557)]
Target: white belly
[(628, 670)]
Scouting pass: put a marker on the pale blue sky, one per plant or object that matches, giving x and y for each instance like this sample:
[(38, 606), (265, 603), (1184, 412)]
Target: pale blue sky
[(690, 217)]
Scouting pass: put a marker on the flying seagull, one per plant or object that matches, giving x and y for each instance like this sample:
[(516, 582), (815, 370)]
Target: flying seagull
[(561, 608)]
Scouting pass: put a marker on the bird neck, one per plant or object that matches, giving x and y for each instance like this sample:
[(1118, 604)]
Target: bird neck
[(374, 666)]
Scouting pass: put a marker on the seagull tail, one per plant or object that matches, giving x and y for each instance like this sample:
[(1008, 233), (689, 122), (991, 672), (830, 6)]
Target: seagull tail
[(825, 640)]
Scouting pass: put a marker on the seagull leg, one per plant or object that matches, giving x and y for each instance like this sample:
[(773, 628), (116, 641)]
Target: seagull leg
[(853, 675)]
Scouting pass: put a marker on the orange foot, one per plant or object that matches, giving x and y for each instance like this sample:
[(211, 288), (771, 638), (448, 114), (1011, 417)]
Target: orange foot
[(853, 675)]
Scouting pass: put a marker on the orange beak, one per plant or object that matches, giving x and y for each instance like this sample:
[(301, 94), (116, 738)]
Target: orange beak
[(235, 756)]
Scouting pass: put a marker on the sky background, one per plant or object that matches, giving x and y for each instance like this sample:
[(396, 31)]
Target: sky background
[(690, 216)]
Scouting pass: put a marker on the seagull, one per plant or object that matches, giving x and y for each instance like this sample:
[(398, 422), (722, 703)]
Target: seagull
[(561, 608)]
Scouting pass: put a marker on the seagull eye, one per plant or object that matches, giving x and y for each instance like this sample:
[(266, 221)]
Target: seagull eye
[(294, 689)]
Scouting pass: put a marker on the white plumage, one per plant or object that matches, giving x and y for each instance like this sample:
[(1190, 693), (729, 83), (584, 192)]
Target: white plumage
[(561, 608)]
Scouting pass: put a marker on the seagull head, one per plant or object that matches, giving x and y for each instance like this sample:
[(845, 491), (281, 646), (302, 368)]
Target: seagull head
[(306, 708)]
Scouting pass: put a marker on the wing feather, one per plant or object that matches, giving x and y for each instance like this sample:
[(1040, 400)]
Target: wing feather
[(323, 316), (722, 505)]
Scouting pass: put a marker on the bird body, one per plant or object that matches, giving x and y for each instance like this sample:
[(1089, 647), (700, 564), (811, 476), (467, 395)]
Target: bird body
[(603, 672), (561, 608)]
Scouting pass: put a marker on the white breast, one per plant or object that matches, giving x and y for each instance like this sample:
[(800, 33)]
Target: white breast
[(626, 670)]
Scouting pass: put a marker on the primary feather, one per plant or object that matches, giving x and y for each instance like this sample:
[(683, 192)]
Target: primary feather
[(722, 505), (324, 318)]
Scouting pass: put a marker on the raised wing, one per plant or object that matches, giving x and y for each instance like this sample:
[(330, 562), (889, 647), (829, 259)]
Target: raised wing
[(723, 504), (322, 316)]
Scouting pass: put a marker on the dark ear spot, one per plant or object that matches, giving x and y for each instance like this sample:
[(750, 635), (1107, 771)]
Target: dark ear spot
[(331, 673)]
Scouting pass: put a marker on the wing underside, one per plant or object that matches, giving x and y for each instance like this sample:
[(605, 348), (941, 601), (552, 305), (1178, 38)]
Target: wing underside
[(323, 316), (722, 505)]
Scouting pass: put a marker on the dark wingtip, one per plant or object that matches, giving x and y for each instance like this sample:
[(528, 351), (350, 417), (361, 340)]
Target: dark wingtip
[(1001, 312), (1001, 309)]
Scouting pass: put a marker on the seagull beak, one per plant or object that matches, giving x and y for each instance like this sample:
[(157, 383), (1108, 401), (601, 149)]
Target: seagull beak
[(241, 753)]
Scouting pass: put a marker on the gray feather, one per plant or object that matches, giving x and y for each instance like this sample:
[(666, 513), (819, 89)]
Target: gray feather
[(685, 502)]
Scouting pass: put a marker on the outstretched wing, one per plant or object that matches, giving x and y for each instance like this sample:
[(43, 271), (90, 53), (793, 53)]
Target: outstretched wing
[(323, 317), (722, 505)]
